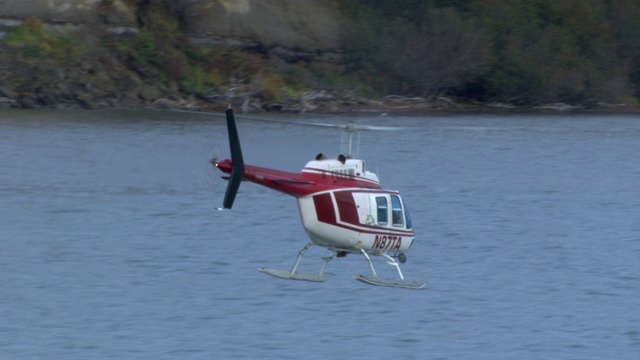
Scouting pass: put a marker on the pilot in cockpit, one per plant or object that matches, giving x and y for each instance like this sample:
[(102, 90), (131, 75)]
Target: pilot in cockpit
[(321, 156)]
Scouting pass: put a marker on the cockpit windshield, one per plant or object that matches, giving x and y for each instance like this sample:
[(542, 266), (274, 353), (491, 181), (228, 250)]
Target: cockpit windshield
[(407, 217)]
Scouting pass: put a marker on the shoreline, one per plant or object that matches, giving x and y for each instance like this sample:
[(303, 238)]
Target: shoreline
[(325, 104)]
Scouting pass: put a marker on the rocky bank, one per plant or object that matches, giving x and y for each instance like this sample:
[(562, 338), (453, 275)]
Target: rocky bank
[(289, 31), (122, 53)]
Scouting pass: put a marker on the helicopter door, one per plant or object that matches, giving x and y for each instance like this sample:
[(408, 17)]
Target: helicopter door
[(382, 210), (397, 215), (401, 216), (385, 205), (379, 210)]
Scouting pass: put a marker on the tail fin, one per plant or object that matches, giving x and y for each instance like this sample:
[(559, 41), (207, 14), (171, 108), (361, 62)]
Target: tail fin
[(236, 158)]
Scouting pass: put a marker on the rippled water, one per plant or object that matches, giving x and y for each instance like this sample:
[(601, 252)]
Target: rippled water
[(528, 231)]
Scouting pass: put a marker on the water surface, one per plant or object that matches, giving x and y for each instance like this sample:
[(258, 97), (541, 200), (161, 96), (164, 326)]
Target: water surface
[(528, 232)]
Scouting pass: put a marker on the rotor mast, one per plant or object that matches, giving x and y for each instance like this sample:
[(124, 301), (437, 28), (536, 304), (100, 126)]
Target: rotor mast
[(350, 128)]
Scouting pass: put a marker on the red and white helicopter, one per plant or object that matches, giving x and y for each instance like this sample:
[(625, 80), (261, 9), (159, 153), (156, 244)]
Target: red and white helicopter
[(343, 208)]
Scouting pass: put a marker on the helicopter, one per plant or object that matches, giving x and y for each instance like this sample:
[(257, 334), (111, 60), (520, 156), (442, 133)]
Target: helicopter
[(342, 206)]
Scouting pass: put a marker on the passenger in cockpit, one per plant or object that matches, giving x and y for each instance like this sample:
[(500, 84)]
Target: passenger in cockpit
[(342, 159), (321, 156)]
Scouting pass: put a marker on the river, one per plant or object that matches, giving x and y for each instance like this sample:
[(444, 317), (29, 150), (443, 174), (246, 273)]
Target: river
[(528, 233)]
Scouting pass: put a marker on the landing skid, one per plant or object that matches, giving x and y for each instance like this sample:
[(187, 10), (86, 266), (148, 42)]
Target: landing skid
[(293, 274), (399, 283), (321, 276), (390, 282), (284, 274)]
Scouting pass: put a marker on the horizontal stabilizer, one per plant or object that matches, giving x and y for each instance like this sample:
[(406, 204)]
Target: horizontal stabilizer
[(294, 182), (228, 178)]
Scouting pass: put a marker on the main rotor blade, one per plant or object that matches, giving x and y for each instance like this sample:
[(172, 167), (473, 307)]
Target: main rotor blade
[(353, 127), (349, 127)]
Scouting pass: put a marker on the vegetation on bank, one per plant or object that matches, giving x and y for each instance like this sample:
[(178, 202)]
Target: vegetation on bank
[(47, 66), (516, 52)]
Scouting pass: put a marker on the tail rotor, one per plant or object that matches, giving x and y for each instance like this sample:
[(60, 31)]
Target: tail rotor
[(237, 171)]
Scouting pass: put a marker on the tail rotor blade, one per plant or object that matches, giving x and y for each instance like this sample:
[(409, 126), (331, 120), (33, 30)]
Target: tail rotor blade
[(232, 188), (236, 158)]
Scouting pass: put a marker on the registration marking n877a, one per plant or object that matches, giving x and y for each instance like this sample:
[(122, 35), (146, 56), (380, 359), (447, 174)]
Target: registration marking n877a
[(387, 242)]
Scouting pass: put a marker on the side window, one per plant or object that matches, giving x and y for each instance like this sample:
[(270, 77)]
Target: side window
[(383, 210), (396, 210)]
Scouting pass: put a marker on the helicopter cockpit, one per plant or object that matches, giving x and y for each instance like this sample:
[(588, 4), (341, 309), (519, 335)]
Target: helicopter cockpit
[(384, 209), (385, 204)]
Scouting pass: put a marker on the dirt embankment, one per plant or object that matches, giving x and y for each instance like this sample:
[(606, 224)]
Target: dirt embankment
[(91, 53), (284, 55)]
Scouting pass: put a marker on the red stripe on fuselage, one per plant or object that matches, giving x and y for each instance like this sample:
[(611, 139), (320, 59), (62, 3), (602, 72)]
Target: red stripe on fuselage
[(324, 208), (295, 184), (347, 207)]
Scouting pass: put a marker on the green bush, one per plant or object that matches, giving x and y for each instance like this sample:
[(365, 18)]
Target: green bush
[(36, 43), (520, 51)]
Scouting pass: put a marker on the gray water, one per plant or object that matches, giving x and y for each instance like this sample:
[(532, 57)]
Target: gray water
[(528, 232)]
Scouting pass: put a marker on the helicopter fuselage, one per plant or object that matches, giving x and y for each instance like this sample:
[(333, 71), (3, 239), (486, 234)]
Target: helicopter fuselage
[(342, 205)]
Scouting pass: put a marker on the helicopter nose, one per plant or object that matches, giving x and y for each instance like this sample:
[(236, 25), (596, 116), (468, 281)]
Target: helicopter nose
[(225, 165)]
